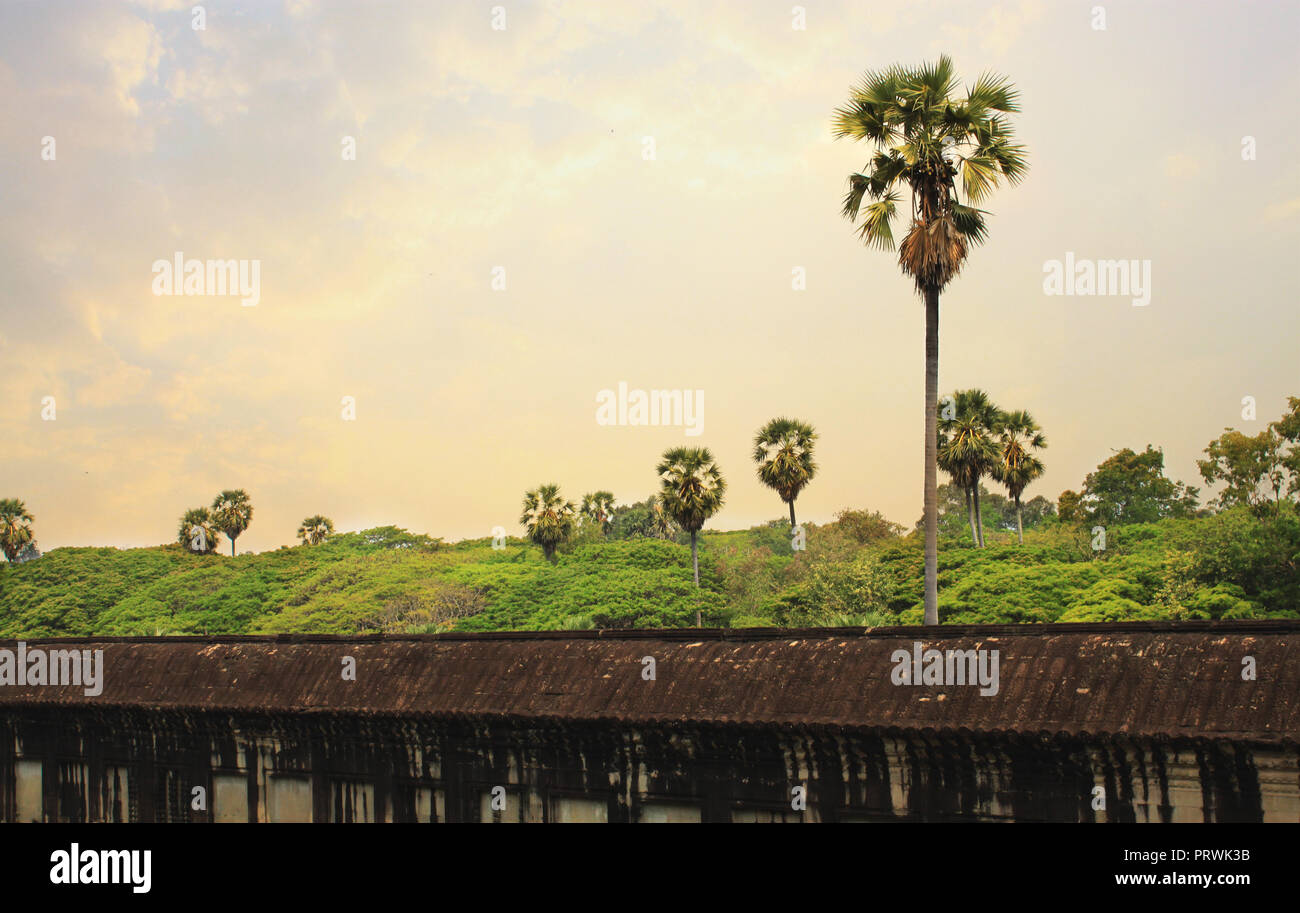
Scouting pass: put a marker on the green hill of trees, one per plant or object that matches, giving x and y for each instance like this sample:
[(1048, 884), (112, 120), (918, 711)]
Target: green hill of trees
[(856, 570), (1131, 544)]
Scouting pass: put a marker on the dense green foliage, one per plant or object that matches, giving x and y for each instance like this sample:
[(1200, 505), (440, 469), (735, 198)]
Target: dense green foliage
[(856, 570), (1129, 487), (1154, 556)]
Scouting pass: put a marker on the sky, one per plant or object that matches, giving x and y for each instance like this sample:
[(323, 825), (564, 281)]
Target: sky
[(598, 193)]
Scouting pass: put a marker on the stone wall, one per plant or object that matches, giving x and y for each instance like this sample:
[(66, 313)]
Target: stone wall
[(141, 764)]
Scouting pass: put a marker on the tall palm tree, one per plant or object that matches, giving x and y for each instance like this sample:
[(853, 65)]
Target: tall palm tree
[(15, 528), (1018, 437), (232, 511), (926, 138), (598, 506), (691, 490), (315, 530), (198, 531), (547, 518), (783, 450), (967, 449)]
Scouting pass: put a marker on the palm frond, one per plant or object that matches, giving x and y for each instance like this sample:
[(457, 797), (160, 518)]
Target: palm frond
[(877, 230), (970, 222)]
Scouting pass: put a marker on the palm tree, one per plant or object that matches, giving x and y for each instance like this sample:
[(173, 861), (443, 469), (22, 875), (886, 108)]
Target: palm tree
[(1018, 435), (783, 450), (15, 528), (967, 450), (925, 139), (547, 518), (598, 506), (692, 490), (315, 530), (950, 461), (232, 511), (662, 525), (198, 531)]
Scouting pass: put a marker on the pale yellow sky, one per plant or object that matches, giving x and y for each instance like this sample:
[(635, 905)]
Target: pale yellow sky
[(522, 148)]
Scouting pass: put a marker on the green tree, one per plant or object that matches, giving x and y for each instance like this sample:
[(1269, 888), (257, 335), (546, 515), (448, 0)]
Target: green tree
[(15, 528), (598, 507), (232, 511), (967, 450), (1259, 556), (1131, 487), (1288, 428), (315, 530), (1019, 437), (865, 527), (1069, 507), (1251, 467), (927, 139), (198, 531), (692, 490), (783, 450), (1033, 512), (547, 518)]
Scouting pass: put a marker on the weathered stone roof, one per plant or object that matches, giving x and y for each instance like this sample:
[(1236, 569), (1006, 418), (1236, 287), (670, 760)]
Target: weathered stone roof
[(1154, 679)]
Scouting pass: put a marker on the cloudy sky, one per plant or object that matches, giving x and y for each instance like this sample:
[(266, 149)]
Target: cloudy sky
[(525, 149)]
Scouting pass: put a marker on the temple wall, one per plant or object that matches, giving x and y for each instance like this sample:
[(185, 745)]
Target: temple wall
[(66, 764)]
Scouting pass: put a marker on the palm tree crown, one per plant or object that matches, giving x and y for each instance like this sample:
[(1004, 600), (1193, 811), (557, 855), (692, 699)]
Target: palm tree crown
[(1017, 466), (547, 518), (315, 530), (15, 528), (598, 506), (691, 486), (198, 532), (783, 450), (232, 511), (662, 525), (926, 139)]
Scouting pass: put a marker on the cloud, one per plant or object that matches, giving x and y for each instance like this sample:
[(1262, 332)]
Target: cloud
[(523, 149), (1283, 210), (1183, 166)]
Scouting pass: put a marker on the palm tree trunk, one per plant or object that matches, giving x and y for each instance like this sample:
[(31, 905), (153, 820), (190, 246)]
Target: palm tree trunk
[(232, 546), (792, 516), (931, 456), (695, 560), (979, 515), (970, 516), (1020, 523)]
